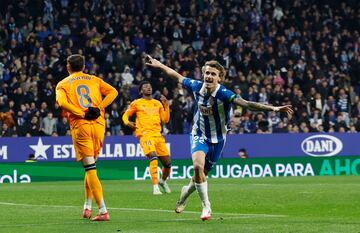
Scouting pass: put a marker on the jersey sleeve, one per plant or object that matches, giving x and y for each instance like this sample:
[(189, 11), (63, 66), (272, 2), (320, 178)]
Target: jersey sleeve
[(129, 112), (191, 84), (225, 95), (109, 92)]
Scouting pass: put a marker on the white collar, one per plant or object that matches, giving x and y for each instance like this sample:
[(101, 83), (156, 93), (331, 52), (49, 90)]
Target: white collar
[(213, 94)]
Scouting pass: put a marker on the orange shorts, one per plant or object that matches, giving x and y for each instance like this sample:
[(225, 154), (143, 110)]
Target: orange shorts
[(88, 140), (154, 144)]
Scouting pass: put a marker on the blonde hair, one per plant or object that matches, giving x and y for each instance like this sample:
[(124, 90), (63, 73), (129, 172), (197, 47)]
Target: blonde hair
[(216, 65)]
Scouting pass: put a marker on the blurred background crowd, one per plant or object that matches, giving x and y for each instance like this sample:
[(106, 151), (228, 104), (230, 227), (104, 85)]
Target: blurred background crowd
[(303, 53)]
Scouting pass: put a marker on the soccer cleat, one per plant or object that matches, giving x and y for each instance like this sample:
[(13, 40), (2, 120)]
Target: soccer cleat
[(206, 213), (180, 207), (102, 217), (87, 213), (181, 204), (156, 190), (164, 186)]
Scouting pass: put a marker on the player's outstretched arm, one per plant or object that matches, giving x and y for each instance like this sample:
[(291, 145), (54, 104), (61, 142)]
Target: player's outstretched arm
[(152, 62), (263, 107)]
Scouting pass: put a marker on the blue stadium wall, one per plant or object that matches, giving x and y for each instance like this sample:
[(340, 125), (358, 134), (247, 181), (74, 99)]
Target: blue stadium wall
[(270, 155)]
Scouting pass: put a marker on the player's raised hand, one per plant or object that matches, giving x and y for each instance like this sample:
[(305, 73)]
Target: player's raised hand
[(163, 100), (152, 62), (131, 124), (286, 108)]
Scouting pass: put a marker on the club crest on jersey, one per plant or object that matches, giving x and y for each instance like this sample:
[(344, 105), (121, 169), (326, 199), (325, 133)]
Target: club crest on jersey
[(206, 111)]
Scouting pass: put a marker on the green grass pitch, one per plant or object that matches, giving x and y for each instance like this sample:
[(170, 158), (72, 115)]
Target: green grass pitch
[(284, 204)]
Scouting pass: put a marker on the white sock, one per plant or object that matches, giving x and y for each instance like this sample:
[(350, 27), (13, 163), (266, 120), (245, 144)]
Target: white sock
[(87, 204), (156, 186), (190, 188), (202, 189), (102, 208)]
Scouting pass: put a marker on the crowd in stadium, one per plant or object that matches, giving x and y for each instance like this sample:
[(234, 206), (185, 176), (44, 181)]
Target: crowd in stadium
[(303, 53)]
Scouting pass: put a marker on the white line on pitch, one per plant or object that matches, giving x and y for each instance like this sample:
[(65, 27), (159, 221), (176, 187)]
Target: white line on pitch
[(167, 220), (149, 210)]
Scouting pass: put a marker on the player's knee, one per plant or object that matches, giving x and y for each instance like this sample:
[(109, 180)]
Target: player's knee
[(89, 167), (168, 165), (153, 158), (198, 168), (152, 155), (88, 160)]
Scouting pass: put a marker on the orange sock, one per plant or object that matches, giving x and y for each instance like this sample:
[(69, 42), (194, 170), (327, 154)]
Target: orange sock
[(95, 186), (88, 194), (165, 173), (154, 171)]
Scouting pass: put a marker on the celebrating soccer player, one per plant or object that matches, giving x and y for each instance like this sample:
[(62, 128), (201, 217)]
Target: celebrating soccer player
[(150, 113), (211, 121), (81, 95)]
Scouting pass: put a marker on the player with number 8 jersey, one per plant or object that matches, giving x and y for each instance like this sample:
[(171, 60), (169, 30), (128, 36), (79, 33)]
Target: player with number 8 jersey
[(84, 97), (83, 91)]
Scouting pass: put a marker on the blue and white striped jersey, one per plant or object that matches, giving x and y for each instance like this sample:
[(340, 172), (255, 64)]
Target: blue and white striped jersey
[(212, 112)]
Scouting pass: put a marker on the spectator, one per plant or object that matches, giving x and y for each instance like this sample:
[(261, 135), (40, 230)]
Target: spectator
[(248, 125), (270, 57), (48, 124), (34, 127), (262, 123), (126, 77), (280, 128), (243, 154), (7, 118), (340, 124), (62, 127), (21, 124), (115, 120), (6, 131), (177, 115)]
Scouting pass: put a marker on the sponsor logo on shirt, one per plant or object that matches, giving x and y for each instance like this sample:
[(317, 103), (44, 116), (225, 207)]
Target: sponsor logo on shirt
[(206, 111)]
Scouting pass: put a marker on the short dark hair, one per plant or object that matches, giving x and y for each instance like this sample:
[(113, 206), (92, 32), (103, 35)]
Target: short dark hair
[(242, 150), (142, 84), (76, 62)]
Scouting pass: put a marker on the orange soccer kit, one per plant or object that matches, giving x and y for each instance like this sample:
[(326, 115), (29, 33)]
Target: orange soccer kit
[(81, 91), (75, 94), (149, 117)]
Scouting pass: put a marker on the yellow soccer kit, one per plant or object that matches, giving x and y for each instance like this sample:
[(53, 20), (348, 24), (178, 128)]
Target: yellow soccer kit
[(75, 94), (149, 116)]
